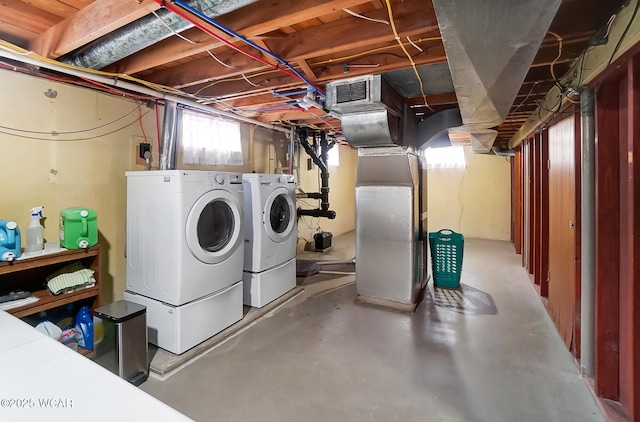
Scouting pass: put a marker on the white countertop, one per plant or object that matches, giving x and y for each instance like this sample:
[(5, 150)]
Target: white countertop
[(41, 379)]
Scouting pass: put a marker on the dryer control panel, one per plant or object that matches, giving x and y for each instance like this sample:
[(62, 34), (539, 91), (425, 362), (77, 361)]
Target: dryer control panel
[(286, 178), (222, 179)]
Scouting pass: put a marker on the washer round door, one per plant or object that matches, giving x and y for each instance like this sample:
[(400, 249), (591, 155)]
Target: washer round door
[(278, 216), (213, 226)]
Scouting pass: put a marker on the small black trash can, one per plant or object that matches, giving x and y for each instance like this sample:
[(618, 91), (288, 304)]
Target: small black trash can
[(124, 348)]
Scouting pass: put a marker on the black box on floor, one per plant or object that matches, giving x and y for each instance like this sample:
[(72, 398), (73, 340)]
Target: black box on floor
[(322, 240)]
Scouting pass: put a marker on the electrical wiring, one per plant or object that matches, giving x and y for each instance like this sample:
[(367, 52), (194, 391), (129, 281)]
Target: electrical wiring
[(115, 91), (277, 107), (248, 81), (232, 79), (369, 52), (12, 52), (559, 38), (144, 135), (323, 117), (71, 131), (288, 69), (156, 87), (220, 61), (522, 103), (563, 88), (171, 29), (357, 15), (413, 64), (414, 45), (611, 19), (624, 33), (87, 138)]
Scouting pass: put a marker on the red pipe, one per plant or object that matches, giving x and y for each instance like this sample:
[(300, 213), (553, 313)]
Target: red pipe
[(197, 24)]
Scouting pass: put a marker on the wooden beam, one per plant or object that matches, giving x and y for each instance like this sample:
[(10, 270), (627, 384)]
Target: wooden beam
[(250, 21), (272, 79), (90, 23), (445, 98), (255, 101), (308, 45), (292, 115), (306, 69), (208, 70), (25, 16), (412, 18), (59, 8), (386, 62), (267, 57)]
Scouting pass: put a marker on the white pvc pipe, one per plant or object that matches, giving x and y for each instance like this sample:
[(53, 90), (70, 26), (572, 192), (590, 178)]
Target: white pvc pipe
[(119, 83)]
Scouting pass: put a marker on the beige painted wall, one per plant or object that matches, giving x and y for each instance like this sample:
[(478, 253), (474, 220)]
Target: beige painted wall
[(342, 182), (90, 172), (475, 201), (59, 174)]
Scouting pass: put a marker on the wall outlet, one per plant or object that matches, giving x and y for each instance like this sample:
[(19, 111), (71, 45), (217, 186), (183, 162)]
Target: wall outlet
[(141, 148)]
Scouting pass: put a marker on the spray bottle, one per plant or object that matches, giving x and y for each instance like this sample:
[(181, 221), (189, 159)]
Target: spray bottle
[(35, 231)]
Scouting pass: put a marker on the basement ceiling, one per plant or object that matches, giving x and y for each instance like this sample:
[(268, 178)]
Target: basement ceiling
[(286, 46)]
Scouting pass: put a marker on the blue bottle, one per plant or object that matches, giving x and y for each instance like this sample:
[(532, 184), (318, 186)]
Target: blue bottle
[(9, 240), (84, 328)]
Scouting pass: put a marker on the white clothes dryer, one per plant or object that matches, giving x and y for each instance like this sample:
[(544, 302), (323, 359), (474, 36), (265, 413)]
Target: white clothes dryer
[(184, 252), (270, 237)]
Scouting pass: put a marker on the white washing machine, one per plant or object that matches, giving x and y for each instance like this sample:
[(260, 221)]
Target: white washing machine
[(270, 237), (185, 231)]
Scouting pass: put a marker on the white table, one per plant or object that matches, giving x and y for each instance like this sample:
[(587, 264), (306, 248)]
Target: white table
[(41, 379)]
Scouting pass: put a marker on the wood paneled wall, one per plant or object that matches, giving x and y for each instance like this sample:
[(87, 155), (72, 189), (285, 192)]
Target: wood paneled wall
[(618, 237), (546, 220)]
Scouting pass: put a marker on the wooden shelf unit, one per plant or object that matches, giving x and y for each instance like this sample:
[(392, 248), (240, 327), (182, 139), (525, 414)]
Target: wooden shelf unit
[(29, 274)]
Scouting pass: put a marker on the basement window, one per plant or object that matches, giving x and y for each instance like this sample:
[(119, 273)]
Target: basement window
[(208, 140), (333, 157), (445, 158)]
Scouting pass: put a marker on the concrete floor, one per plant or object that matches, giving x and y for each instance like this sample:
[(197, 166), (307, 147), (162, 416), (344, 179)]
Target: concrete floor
[(486, 352)]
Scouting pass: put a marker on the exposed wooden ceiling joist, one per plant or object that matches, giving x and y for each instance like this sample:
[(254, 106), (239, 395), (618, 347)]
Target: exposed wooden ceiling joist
[(88, 24), (318, 37), (250, 21)]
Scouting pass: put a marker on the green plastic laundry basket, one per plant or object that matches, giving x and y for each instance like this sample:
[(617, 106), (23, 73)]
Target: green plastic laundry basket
[(446, 257)]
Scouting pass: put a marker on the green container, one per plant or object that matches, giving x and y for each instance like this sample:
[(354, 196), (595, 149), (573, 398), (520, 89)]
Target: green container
[(446, 247), (78, 228)]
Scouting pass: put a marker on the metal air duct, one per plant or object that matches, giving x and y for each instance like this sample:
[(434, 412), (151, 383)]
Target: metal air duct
[(434, 130), (390, 269), (169, 136), (371, 111), (490, 45), (482, 140), (142, 33)]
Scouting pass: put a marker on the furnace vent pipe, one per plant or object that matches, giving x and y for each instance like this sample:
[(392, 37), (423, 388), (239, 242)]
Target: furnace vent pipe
[(169, 136), (321, 161), (587, 305)]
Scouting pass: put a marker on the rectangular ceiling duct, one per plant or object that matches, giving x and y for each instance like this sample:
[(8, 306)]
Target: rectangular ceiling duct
[(371, 111), (490, 46)]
